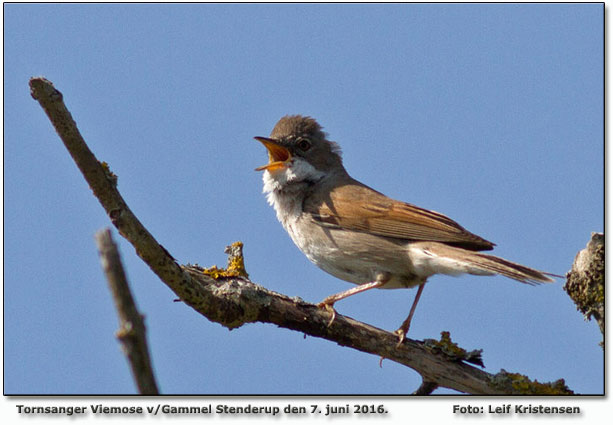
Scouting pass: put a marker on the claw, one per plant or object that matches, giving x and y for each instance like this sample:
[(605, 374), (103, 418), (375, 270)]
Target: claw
[(330, 309), (401, 333)]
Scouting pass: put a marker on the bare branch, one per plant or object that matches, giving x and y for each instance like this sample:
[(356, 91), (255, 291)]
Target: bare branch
[(132, 325), (585, 282), (426, 388), (234, 301)]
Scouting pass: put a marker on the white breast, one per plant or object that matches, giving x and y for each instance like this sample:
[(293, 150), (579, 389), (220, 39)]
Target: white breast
[(285, 190)]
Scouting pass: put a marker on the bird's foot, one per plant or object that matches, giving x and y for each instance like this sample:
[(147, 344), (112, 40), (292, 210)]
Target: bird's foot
[(330, 309), (401, 334)]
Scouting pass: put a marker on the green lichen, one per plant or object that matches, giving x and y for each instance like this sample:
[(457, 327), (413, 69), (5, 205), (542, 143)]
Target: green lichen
[(585, 282), (236, 260), (453, 351), (235, 267), (588, 289), (214, 272), (516, 383)]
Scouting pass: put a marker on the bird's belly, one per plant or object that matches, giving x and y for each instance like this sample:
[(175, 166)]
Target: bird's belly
[(354, 259)]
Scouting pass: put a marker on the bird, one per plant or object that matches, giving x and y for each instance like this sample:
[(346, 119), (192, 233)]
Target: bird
[(360, 235)]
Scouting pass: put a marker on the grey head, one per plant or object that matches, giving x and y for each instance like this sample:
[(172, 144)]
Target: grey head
[(297, 137)]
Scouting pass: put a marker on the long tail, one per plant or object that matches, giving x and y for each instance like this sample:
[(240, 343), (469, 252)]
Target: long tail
[(512, 270), (453, 261)]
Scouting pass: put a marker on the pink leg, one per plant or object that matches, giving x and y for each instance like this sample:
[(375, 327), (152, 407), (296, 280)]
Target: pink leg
[(404, 328), (328, 302), (355, 290)]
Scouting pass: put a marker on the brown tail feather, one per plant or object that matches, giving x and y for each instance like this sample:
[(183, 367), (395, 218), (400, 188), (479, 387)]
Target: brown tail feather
[(509, 269), (453, 260)]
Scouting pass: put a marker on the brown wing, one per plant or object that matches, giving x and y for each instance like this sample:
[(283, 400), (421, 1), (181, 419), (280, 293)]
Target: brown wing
[(387, 217)]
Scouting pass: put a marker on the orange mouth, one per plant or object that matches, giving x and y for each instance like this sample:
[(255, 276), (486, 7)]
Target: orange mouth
[(278, 156)]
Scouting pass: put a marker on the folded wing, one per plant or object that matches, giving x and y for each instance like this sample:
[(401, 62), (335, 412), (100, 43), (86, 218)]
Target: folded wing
[(386, 217)]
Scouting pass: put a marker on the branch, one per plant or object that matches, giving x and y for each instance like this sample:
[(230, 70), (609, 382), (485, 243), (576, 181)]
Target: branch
[(234, 301), (426, 388), (585, 281), (132, 326)]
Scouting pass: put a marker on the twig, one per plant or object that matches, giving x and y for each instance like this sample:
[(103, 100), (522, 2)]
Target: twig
[(426, 388), (132, 327), (233, 302)]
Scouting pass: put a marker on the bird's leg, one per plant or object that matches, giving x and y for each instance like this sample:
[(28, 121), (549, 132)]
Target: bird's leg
[(328, 302), (404, 328)]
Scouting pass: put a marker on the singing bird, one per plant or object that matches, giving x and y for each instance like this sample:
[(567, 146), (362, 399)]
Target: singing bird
[(360, 235)]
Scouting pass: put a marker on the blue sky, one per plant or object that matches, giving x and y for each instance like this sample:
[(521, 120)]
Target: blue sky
[(490, 114)]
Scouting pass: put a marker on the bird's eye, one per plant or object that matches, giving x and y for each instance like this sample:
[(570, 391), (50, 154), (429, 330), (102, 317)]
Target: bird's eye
[(304, 144)]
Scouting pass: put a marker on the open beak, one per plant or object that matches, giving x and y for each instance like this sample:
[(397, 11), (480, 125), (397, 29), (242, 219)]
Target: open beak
[(278, 156)]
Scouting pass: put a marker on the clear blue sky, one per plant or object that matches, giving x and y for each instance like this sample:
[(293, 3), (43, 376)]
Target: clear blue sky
[(490, 114)]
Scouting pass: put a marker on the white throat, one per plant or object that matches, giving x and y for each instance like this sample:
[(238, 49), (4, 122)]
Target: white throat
[(285, 189)]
